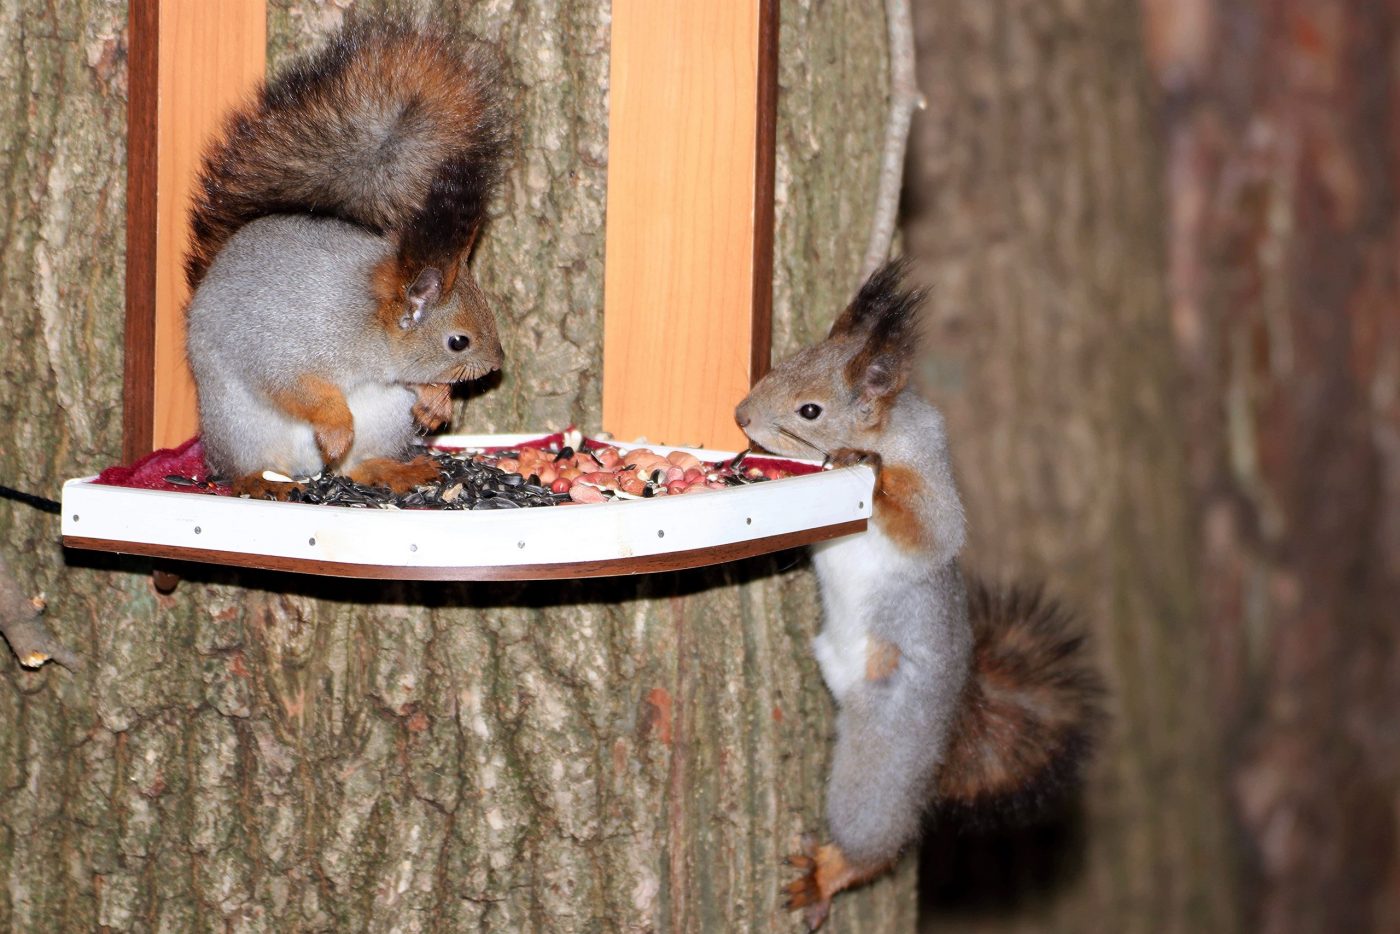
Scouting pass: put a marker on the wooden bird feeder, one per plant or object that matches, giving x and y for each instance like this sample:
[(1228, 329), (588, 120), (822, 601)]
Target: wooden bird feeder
[(689, 229)]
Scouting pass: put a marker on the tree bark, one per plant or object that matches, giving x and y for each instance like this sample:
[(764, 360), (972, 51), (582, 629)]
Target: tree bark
[(1284, 174), (265, 752), (1036, 212)]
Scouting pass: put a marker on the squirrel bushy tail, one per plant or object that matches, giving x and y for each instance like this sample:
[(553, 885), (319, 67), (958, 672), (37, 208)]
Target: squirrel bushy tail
[(398, 128), (1031, 707)]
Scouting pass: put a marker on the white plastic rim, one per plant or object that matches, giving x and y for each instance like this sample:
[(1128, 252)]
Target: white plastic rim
[(429, 538)]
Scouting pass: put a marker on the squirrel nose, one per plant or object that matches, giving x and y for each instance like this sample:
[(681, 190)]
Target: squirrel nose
[(742, 417)]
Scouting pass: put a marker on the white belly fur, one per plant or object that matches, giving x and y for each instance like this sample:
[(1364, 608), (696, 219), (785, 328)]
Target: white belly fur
[(852, 570)]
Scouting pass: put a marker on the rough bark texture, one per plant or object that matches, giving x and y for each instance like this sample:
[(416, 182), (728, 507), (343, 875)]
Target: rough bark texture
[(261, 752), (1284, 175), (1036, 211)]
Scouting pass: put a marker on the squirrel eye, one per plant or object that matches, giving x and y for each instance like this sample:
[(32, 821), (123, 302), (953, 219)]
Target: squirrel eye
[(458, 343), (810, 411)]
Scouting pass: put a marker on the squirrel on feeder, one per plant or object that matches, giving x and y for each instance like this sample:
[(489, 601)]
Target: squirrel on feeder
[(332, 303), (945, 698)]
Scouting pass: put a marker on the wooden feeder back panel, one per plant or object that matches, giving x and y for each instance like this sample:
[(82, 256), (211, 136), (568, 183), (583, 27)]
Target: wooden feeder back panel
[(191, 61), (688, 277)]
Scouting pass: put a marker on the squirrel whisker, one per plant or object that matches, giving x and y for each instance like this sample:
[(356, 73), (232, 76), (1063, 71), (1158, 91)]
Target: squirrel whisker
[(801, 440)]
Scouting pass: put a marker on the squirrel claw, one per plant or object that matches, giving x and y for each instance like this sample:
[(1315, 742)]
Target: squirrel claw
[(815, 914)]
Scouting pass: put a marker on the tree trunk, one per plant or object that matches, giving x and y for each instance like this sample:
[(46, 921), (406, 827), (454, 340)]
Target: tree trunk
[(269, 752), (1036, 211), (1285, 178)]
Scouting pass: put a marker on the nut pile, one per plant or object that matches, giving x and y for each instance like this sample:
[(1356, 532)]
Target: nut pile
[(603, 473)]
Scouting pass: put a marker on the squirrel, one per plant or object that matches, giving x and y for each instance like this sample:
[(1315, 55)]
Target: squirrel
[(949, 695), (332, 306)]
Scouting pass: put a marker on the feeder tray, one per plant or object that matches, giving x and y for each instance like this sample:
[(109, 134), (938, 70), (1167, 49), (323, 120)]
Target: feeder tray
[(594, 540)]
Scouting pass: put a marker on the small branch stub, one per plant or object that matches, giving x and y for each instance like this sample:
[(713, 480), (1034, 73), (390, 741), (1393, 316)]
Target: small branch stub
[(165, 581), (22, 624)]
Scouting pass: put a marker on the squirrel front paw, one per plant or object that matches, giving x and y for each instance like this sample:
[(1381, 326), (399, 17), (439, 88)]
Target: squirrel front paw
[(433, 407), (333, 441), (847, 457)]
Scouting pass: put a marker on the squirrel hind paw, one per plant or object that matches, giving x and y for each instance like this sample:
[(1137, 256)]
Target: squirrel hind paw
[(825, 872), (399, 476), (811, 892), (804, 894), (256, 486)]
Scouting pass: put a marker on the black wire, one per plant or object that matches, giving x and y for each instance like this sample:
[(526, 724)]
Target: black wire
[(29, 499)]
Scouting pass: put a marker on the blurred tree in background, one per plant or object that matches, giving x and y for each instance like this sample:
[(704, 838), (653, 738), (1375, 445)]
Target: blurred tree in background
[(1164, 248)]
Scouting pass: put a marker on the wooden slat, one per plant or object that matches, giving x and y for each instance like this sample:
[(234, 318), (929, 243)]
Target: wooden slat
[(138, 389), (191, 60), (765, 165), (689, 227)]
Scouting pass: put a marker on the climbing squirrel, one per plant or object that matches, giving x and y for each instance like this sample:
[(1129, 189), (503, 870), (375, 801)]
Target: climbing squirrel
[(948, 696), (332, 303)]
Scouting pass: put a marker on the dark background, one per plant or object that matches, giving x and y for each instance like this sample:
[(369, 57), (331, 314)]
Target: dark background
[(1162, 241)]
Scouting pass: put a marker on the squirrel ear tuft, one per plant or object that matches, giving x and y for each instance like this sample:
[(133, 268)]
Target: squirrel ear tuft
[(884, 318), (424, 291), (883, 296)]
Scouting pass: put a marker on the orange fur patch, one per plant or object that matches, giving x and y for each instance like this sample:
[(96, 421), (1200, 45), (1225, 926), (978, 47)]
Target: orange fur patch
[(881, 660), (321, 404), (387, 286), (897, 495), (1031, 707), (255, 487), (398, 476)]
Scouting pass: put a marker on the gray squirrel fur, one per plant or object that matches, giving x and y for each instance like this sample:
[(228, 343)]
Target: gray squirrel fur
[(261, 315), (871, 588), (941, 698), (874, 588), (331, 233)]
